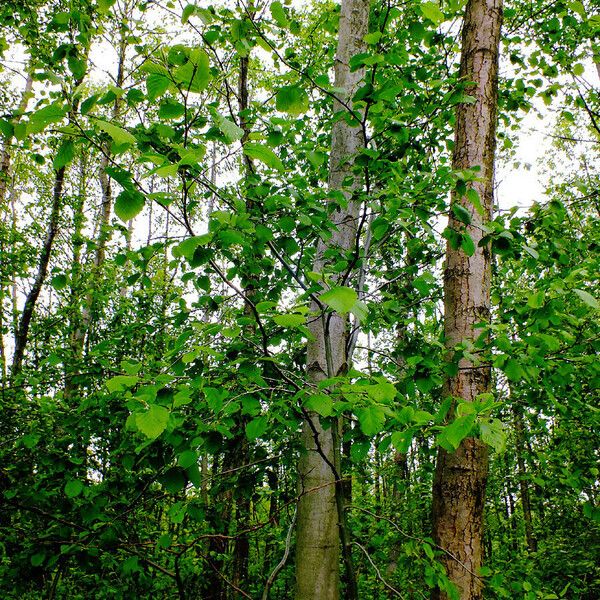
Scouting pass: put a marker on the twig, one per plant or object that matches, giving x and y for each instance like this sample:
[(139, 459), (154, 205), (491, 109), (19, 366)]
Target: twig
[(284, 558)]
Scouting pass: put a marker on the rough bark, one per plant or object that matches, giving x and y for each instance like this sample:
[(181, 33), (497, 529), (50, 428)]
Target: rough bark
[(319, 524), (460, 478)]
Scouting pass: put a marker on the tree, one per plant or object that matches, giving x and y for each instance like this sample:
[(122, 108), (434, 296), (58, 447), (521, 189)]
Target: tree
[(460, 479)]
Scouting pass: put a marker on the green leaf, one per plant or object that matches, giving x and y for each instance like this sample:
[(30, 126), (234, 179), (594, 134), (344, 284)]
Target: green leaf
[(118, 134), (321, 404), (173, 480), (77, 66), (536, 300), (129, 204), (256, 427), (37, 559), (73, 488), (493, 433), (194, 75), (39, 120), (587, 298), (401, 440), (169, 109), (152, 422), (432, 11), (462, 214), (264, 154), (189, 246), (188, 11), (59, 282), (290, 320), (371, 419), (156, 85), (467, 244), (458, 430), (513, 370), (292, 99), (65, 155), (230, 130), (341, 299), (121, 382), (187, 458), (278, 14), (472, 196)]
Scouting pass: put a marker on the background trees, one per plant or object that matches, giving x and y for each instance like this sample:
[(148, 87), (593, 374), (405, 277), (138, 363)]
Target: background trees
[(151, 434)]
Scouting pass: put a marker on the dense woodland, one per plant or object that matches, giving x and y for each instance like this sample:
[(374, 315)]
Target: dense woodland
[(268, 330)]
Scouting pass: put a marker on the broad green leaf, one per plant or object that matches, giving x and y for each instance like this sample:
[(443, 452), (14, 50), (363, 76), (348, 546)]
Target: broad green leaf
[(371, 419), (587, 298), (121, 382), (169, 109), (458, 430), (156, 85), (230, 130), (189, 246), (59, 282), (73, 488), (292, 99), (472, 196), (431, 11), (467, 244), (341, 299), (513, 370), (173, 480), (118, 134), (401, 440), (129, 204), (37, 559), (290, 320), (278, 14), (264, 154), (256, 427), (152, 422), (536, 300), (194, 75), (493, 433), (39, 120), (187, 458), (65, 155), (321, 404), (462, 214)]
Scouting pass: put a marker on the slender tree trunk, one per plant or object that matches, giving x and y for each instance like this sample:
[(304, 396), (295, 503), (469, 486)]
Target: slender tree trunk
[(523, 485), (460, 478), (320, 520), (6, 178), (31, 300)]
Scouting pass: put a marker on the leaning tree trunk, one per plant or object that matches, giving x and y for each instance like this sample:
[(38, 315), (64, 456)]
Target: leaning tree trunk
[(460, 478), (320, 519), (31, 300)]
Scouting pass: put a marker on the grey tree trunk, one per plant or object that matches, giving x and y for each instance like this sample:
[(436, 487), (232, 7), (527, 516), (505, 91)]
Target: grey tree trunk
[(318, 525), (460, 478)]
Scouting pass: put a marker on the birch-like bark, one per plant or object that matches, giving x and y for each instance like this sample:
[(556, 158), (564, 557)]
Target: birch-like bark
[(319, 523), (460, 478)]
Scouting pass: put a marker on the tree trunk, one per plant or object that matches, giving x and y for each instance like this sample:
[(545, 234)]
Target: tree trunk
[(319, 516), (32, 296), (5, 180), (523, 485), (460, 478)]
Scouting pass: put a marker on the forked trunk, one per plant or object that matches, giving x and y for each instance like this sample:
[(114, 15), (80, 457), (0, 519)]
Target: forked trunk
[(460, 478)]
